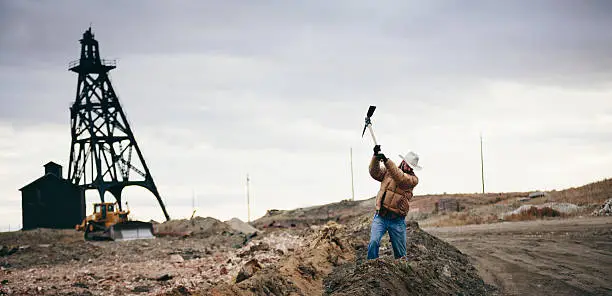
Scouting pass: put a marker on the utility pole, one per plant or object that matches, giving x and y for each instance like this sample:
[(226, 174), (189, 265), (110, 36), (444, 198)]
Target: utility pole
[(192, 200), (482, 165), (248, 200), (352, 181)]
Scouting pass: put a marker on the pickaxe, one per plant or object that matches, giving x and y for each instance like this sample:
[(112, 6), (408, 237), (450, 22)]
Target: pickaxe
[(368, 123)]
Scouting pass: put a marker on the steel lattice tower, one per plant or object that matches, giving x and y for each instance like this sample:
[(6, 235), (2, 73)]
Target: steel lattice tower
[(102, 140)]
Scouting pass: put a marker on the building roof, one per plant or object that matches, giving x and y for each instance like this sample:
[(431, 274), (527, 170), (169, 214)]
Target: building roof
[(47, 176), (52, 163)]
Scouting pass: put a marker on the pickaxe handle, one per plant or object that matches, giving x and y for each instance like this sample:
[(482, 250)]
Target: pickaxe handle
[(372, 133)]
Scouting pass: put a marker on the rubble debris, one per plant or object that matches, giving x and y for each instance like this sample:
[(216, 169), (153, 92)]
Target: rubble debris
[(248, 270), (80, 285), (163, 277), (605, 209), (7, 251), (259, 247), (307, 270), (176, 258), (302, 272), (141, 289), (179, 291), (240, 226)]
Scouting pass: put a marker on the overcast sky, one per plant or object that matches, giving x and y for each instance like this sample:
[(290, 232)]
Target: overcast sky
[(214, 90)]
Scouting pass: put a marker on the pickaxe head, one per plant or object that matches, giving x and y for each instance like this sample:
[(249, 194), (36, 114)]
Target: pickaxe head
[(368, 115), (371, 111)]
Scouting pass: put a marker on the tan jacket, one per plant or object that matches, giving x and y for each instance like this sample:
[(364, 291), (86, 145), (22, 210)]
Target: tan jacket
[(396, 183)]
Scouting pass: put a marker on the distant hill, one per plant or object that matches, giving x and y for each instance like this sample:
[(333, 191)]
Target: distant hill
[(591, 194)]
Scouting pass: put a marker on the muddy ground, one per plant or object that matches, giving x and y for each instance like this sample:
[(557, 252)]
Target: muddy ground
[(545, 257)]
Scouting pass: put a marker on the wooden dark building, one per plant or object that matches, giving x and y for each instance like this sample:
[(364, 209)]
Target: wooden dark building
[(447, 205), (52, 201)]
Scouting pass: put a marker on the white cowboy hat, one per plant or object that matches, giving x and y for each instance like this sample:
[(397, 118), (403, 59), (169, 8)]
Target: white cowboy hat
[(412, 159)]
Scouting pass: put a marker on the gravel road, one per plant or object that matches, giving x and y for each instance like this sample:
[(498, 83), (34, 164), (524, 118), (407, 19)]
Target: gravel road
[(544, 257)]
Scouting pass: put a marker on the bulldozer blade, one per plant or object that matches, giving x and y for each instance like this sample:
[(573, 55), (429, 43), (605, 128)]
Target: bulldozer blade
[(131, 230)]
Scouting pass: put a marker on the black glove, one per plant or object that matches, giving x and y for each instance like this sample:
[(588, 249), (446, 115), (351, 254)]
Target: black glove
[(381, 157), (376, 149), (368, 121)]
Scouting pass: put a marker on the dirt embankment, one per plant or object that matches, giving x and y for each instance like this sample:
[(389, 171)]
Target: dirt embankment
[(340, 212)]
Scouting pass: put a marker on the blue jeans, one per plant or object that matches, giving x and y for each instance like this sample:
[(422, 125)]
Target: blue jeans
[(397, 234)]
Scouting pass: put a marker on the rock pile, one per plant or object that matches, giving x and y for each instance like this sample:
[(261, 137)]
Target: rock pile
[(196, 227), (240, 226), (6, 250), (605, 209)]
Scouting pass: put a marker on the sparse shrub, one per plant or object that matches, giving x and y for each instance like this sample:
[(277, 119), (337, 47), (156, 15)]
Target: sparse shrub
[(465, 218), (418, 216), (534, 213)]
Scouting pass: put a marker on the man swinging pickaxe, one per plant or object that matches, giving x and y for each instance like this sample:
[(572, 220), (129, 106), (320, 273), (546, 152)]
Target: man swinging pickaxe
[(396, 184)]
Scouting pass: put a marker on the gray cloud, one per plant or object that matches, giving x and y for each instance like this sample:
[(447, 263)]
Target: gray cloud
[(313, 51), (216, 89)]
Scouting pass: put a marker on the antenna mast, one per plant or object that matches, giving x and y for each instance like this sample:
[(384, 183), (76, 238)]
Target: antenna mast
[(248, 200), (482, 165), (352, 180)]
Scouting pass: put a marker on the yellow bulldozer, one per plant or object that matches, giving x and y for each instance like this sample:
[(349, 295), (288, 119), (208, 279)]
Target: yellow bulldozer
[(108, 222)]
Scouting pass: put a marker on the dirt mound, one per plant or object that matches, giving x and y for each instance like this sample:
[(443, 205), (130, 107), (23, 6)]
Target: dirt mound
[(605, 209), (300, 274), (431, 267), (196, 227), (340, 212), (240, 226), (399, 277)]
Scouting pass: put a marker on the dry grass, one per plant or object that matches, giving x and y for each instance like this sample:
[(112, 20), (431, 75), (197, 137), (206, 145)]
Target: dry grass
[(485, 208), (463, 218), (426, 203), (591, 194)]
